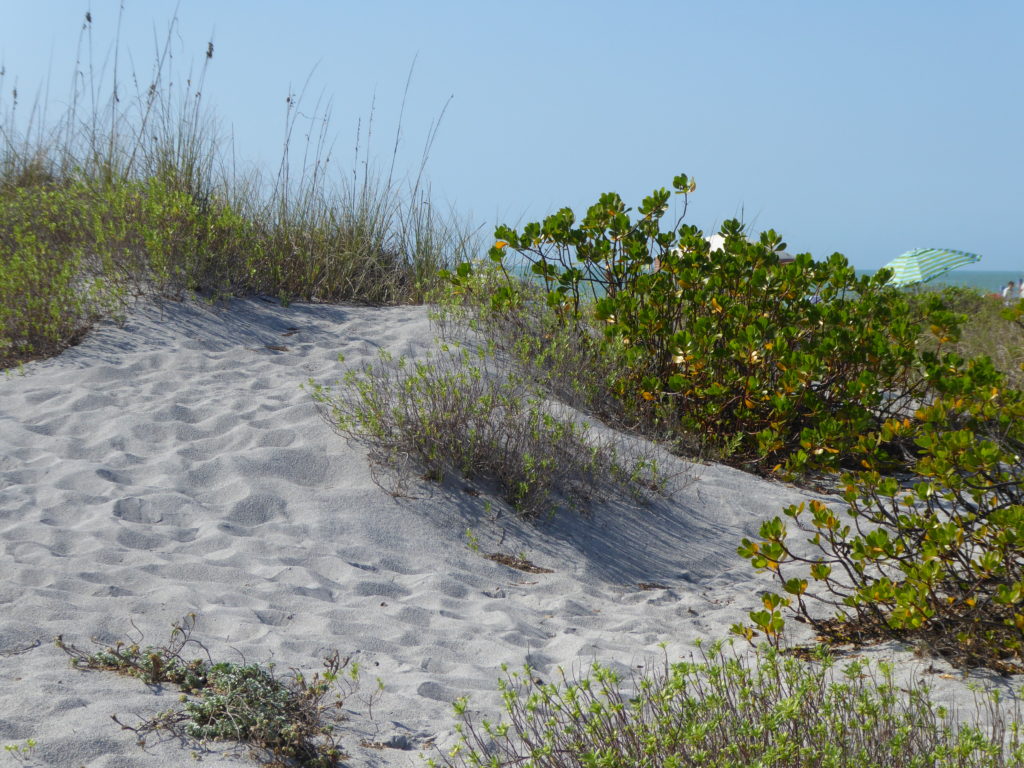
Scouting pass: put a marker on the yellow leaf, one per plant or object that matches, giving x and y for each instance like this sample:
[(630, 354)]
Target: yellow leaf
[(500, 244), (647, 395), (715, 305)]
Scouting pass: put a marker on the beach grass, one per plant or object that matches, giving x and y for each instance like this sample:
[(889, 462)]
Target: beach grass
[(987, 330), (463, 413), (140, 195)]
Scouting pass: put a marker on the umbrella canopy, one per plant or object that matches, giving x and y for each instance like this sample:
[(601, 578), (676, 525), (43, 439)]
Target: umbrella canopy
[(923, 264)]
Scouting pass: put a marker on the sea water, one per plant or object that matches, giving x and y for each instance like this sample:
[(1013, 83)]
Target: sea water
[(989, 281)]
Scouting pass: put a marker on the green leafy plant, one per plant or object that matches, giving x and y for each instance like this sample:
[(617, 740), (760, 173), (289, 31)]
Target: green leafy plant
[(284, 721), (781, 365), (936, 558), (463, 412), (22, 752), (569, 360), (722, 710)]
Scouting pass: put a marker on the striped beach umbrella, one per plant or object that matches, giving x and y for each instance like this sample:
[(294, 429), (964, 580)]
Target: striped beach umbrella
[(923, 264)]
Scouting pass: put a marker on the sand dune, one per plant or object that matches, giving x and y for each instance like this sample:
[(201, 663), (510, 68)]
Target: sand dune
[(174, 465)]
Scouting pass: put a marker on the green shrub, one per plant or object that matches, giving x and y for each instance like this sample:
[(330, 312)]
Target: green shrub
[(464, 413), (727, 711), (48, 298), (74, 252), (778, 365), (936, 558), (568, 360)]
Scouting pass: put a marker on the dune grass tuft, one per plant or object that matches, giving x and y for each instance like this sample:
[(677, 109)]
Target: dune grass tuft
[(465, 413), (140, 196)]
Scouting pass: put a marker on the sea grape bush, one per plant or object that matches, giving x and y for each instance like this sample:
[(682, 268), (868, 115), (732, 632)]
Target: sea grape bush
[(937, 559), (801, 365), (779, 366)]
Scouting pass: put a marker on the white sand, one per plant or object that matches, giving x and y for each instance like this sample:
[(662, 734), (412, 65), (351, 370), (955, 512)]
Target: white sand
[(174, 465)]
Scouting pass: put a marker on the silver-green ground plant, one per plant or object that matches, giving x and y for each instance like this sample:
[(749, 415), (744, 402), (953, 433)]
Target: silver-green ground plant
[(282, 721), (724, 710)]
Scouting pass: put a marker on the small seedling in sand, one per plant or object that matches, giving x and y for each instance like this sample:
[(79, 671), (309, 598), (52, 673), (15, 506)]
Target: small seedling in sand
[(21, 751)]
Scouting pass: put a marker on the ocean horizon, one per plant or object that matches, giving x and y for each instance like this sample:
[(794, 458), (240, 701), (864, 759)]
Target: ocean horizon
[(988, 280)]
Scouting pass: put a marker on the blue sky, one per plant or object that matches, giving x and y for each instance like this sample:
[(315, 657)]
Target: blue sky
[(867, 128)]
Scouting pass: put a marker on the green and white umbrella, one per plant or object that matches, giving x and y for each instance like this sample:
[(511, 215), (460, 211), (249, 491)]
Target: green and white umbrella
[(923, 264)]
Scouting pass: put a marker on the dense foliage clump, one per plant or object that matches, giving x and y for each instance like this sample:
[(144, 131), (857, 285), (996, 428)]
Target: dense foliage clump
[(936, 557), (136, 198), (776, 364), (796, 365), (990, 329)]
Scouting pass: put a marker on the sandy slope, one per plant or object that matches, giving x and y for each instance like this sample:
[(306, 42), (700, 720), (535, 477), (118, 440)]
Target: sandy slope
[(174, 465)]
